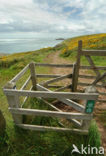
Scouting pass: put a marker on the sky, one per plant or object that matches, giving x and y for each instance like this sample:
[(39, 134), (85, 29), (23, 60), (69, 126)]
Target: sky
[(52, 18)]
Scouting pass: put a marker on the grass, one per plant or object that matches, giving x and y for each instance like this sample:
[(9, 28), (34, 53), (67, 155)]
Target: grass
[(24, 142), (16, 141)]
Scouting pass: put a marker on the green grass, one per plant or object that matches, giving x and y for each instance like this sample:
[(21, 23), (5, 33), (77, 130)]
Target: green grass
[(16, 141), (25, 142)]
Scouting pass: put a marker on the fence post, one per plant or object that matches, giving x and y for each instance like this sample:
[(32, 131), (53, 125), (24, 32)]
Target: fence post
[(89, 106), (33, 75), (73, 77), (77, 66), (14, 102)]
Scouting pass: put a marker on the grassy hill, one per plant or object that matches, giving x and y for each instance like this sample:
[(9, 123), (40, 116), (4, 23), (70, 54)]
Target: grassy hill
[(16, 141), (97, 41)]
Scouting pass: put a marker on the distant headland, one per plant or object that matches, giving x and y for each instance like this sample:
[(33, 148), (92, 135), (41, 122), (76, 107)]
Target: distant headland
[(60, 39)]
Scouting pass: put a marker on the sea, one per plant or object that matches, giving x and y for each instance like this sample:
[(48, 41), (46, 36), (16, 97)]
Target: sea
[(16, 45)]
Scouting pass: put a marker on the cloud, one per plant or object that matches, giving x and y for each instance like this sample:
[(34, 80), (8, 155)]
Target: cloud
[(53, 16)]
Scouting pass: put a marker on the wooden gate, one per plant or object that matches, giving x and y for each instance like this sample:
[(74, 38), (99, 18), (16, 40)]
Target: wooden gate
[(81, 118)]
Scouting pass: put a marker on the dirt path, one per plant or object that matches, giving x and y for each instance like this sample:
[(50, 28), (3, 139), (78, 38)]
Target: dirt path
[(56, 59)]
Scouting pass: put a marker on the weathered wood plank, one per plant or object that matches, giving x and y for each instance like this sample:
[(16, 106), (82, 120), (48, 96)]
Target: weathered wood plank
[(14, 102), (90, 67), (63, 88), (25, 99), (54, 86), (93, 65), (33, 75), (52, 106), (94, 52), (87, 76), (56, 79), (73, 104), (20, 74), (77, 66), (47, 128), (89, 84), (47, 94), (38, 112), (73, 77), (54, 65), (99, 78), (26, 83), (48, 76)]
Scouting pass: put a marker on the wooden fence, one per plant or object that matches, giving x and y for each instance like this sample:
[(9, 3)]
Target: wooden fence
[(96, 79), (81, 118)]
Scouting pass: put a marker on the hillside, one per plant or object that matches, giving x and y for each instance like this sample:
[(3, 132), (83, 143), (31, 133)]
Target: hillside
[(97, 41), (17, 142)]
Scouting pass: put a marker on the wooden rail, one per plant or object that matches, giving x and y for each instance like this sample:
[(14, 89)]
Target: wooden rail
[(20, 74), (57, 129), (47, 94), (56, 79), (54, 65), (50, 113), (94, 52)]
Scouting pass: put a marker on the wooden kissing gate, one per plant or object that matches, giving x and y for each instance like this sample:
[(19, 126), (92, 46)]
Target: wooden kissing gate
[(84, 110)]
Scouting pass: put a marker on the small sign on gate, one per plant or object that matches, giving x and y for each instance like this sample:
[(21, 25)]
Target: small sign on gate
[(89, 106)]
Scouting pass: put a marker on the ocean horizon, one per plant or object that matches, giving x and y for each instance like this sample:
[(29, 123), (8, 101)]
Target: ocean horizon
[(17, 45)]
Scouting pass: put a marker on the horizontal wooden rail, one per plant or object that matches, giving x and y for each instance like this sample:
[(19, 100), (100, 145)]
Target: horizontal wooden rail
[(74, 96), (101, 100), (20, 74), (63, 88), (54, 65), (87, 76), (90, 67), (47, 76), (54, 86), (37, 112), (56, 79), (88, 84), (94, 52), (47, 128), (26, 83)]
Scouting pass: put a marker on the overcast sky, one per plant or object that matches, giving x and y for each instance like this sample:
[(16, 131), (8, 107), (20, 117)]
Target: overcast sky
[(52, 17)]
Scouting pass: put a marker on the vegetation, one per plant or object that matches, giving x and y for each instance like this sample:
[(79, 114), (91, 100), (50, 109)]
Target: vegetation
[(16, 141), (97, 41)]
